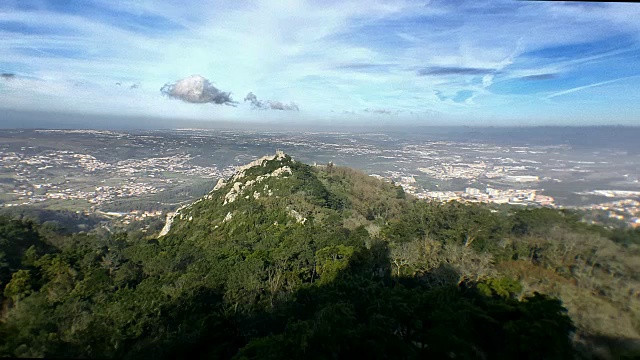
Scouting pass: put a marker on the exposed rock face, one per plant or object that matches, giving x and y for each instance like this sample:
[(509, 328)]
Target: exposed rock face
[(221, 183), (261, 162), (167, 225), (233, 193), (172, 216), (240, 170), (239, 187), (299, 218)]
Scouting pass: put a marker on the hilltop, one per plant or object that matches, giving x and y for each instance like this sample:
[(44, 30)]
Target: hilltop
[(284, 259)]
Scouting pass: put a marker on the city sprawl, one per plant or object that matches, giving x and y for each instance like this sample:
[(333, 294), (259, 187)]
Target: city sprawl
[(134, 175)]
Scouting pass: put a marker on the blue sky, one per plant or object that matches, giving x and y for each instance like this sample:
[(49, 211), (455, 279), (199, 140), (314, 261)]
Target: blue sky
[(428, 62)]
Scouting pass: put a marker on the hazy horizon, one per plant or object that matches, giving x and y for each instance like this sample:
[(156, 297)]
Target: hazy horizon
[(12, 119)]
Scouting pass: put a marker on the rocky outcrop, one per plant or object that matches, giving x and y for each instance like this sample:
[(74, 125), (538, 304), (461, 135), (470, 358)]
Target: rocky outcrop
[(236, 190), (240, 170), (239, 187), (299, 218), (167, 224)]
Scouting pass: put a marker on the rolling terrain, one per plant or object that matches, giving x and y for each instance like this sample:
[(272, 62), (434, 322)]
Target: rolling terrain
[(285, 259)]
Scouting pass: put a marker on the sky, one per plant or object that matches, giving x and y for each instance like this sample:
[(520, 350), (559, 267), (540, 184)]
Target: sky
[(440, 62)]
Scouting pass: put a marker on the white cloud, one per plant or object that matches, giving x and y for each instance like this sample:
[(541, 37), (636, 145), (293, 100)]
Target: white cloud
[(196, 89)]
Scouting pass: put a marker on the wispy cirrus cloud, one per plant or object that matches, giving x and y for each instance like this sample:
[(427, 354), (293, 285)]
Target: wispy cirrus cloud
[(588, 86), (454, 70), (547, 76)]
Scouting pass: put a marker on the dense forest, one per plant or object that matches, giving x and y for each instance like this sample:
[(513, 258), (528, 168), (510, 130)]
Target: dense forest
[(286, 260)]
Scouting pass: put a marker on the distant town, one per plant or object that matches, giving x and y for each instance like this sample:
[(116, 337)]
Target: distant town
[(133, 176)]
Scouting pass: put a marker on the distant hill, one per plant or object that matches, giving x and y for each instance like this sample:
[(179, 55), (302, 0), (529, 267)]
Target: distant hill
[(287, 260)]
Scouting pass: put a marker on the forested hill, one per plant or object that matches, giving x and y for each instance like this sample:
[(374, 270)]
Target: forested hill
[(286, 260)]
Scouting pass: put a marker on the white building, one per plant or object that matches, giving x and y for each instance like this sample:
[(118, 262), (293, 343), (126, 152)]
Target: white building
[(472, 191), (522, 178)]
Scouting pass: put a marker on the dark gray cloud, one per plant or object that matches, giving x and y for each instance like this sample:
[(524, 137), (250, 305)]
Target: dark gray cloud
[(582, 5), (494, 10), (7, 76), (198, 90), (540, 77), (253, 99), (269, 104), (277, 105), (445, 70)]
